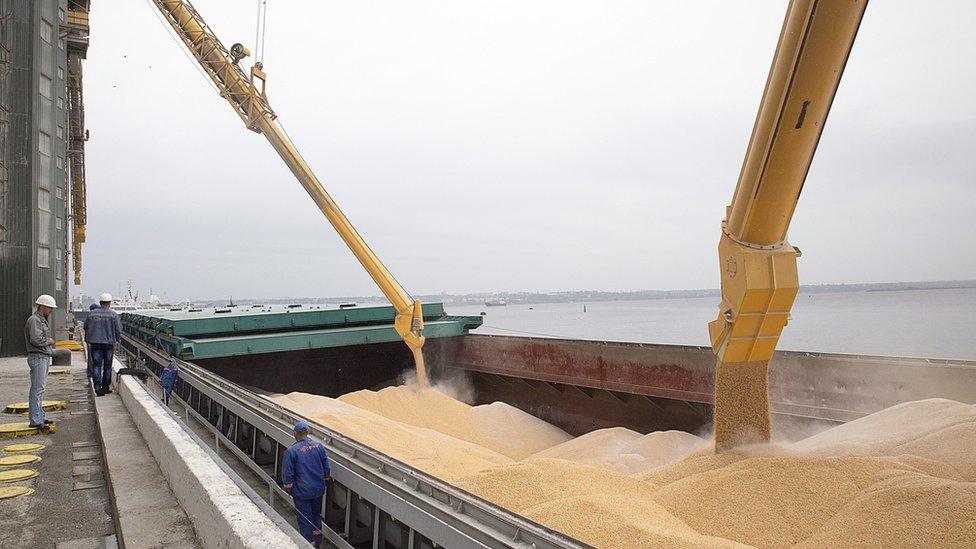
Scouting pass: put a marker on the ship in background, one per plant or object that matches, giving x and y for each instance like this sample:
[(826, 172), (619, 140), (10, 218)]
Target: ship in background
[(495, 303)]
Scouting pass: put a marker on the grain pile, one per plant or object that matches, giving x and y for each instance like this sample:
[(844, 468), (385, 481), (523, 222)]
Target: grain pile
[(432, 452), (901, 477), (624, 451), (497, 426)]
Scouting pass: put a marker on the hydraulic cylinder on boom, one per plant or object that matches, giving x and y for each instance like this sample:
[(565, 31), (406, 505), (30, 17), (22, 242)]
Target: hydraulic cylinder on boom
[(756, 261), (246, 95)]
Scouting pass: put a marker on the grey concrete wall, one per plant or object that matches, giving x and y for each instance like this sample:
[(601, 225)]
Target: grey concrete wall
[(222, 514)]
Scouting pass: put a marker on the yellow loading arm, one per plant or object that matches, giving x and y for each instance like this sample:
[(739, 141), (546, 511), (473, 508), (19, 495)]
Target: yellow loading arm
[(246, 95), (757, 263)]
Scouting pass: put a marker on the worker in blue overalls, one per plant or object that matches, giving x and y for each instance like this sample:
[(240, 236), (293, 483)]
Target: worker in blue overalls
[(168, 378), (304, 472)]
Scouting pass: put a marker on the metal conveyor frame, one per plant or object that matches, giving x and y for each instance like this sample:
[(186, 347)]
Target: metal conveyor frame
[(435, 513)]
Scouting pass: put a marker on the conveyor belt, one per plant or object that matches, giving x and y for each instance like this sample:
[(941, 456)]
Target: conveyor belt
[(374, 501)]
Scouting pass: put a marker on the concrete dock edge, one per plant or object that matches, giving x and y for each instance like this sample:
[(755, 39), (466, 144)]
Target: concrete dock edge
[(222, 514)]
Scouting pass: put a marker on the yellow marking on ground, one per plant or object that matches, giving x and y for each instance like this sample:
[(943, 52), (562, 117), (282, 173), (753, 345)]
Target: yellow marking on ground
[(23, 459), (8, 492), (23, 447), (58, 372), (22, 429), (15, 475), (47, 405)]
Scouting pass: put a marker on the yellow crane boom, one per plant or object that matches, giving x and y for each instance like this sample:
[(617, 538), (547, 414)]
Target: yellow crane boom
[(757, 263), (246, 95)]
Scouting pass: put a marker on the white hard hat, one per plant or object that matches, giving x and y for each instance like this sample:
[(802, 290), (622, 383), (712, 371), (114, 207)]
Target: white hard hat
[(104, 297), (47, 301)]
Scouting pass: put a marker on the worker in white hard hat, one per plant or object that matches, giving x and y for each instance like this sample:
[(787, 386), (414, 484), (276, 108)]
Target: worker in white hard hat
[(103, 329), (40, 349)]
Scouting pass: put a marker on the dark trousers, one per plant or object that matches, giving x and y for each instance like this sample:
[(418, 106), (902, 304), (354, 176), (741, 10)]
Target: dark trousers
[(101, 363), (166, 392), (308, 512)]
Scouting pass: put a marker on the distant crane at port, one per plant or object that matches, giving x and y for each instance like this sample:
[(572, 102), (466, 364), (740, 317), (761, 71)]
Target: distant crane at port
[(246, 95)]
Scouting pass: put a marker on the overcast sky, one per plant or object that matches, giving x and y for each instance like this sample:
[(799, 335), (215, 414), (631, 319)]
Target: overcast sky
[(503, 145)]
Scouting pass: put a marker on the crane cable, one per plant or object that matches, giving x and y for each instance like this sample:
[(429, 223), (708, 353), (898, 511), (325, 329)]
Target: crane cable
[(167, 27), (260, 31)]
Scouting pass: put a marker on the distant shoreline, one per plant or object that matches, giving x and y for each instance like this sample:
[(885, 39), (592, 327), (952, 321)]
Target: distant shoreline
[(582, 296)]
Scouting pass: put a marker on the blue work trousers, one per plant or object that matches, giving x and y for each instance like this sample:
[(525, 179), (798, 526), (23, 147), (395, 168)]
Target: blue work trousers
[(101, 360), (38, 374), (308, 512), (167, 391)]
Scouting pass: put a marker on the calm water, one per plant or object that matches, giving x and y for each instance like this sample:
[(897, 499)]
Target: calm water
[(926, 323)]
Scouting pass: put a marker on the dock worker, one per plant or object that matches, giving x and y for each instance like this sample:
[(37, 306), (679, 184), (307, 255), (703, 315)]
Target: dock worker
[(304, 473), (40, 349), (168, 378), (91, 308), (103, 329)]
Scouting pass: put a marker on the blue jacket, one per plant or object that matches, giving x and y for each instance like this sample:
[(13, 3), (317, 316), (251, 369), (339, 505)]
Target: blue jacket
[(306, 466), (169, 377), (103, 326)]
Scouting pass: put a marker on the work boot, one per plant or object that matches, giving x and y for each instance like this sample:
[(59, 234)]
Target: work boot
[(48, 422)]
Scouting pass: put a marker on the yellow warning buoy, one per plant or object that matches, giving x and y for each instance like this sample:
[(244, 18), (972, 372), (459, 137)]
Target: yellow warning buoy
[(23, 459), (14, 475), (58, 372), (47, 405), (8, 492), (23, 447), (23, 429)]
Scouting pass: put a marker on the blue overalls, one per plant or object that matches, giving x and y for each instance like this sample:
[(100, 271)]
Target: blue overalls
[(168, 380), (305, 467)]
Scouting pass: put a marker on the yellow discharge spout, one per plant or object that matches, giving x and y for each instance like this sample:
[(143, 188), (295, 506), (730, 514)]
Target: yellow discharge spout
[(756, 262)]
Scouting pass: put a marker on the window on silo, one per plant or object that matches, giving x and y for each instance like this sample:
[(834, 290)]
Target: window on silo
[(45, 86), (43, 217), (47, 31), (43, 256), (60, 73), (60, 132), (61, 14), (44, 200), (44, 143)]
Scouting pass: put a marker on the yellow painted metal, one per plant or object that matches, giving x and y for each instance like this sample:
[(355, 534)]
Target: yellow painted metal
[(246, 95), (16, 475), (23, 459), (8, 492), (23, 429), (58, 372), (758, 265), (756, 261), (69, 344), (47, 405), (24, 447), (758, 289)]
